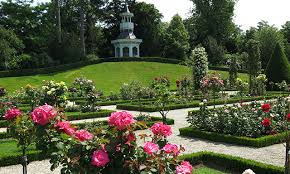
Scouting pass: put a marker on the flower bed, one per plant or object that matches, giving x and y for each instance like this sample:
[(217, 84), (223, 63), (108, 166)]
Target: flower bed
[(235, 164), (239, 140), (255, 124), (149, 106)]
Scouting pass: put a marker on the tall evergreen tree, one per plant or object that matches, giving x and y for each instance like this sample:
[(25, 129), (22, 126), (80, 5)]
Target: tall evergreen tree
[(278, 68), (176, 39)]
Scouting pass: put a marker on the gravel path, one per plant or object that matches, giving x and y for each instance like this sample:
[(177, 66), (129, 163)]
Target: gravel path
[(271, 155)]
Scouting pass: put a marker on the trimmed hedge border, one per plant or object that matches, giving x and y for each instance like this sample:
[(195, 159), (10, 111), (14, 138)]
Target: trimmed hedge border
[(245, 141), (136, 107), (231, 163), (114, 102), (66, 67), (88, 115)]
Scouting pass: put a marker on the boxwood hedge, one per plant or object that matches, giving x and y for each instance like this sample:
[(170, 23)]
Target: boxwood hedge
[(231, 163), (245, 141), (149, 107)]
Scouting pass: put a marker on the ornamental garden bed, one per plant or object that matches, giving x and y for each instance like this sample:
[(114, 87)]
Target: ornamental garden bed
[(211, 162), (71, 116), (104, 124), (239, 140), (255, 124), (150, 107)]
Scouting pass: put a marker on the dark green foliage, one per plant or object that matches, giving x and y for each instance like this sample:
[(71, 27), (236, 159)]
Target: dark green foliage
[(148, 27), (278, 68), (88, 115), (267, 36), (176, 39), (10, 47), (214, 50), (217, 137), (149, 107)]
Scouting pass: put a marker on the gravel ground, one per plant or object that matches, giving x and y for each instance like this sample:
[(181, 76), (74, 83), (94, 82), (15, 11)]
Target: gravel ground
[(271, 155)]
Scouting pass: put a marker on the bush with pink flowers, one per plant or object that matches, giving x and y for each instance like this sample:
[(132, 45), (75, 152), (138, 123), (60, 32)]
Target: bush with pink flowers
[(96, 150)]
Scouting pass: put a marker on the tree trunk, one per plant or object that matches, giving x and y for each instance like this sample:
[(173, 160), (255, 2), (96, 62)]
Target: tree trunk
[(82, 29), (58, 18)]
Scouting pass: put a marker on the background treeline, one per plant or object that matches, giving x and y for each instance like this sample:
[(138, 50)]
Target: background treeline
[(64, 31)]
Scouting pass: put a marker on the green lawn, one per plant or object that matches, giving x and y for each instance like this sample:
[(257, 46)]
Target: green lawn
[(206, 170), (108, 76), (9, 148)]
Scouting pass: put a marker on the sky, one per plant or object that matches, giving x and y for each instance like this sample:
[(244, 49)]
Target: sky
[(247, 12)]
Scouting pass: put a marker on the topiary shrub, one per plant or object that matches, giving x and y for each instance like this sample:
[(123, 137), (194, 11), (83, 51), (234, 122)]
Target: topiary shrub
[(278, 68)]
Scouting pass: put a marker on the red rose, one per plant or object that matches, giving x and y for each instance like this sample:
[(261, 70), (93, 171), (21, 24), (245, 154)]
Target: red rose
[(288, 117), (266, 107), (266, 122)]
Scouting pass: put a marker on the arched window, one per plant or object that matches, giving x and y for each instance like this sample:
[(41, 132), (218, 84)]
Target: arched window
[(126, 52), (135, 52), (118, 52)]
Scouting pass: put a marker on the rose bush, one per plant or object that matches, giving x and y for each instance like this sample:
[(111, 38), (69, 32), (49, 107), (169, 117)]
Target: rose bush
[(98, 150), (252, 120)]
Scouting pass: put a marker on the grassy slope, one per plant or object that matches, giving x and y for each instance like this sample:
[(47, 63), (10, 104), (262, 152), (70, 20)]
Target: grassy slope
[(206, 170), (108, 76)]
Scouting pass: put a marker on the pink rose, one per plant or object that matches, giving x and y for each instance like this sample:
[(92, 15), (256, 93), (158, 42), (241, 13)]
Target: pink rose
[(184, 168), (121, 120), (83, 135), (100, 158), (130, 138), (43, 114), (12, 113), (66, 127), (69, 131), (150, 148), (161, 129), (171, 149)]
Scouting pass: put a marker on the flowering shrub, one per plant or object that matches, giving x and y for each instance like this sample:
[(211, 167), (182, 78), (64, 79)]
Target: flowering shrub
[(82, 86), (54, 93), (259, 85), (111, 150), (198, 62), (253, 120), (241, 87), (164, 80), (211, 83), (184, 87)]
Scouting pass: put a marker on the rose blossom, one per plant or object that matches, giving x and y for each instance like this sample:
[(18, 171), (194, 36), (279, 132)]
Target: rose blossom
[(12, 113), (184, 168), (41, 115), (121, 120), (161, 129), (130, 138), (288, 117), (83, 135), (266, 107), (100, 158), (171, 149), (66, 127), (150, 148), (266, 122)]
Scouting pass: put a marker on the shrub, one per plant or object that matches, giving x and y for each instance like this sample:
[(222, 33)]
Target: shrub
[(278, 68), (198, 62), (130, 91), (242, 120)]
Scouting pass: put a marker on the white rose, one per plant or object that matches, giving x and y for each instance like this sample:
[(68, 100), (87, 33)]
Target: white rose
[(248, 171), (49, 92)]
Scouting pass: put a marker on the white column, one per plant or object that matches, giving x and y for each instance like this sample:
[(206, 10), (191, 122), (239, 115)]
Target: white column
[(138, 51), (115, 50), (121, 51), (130, 51)]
